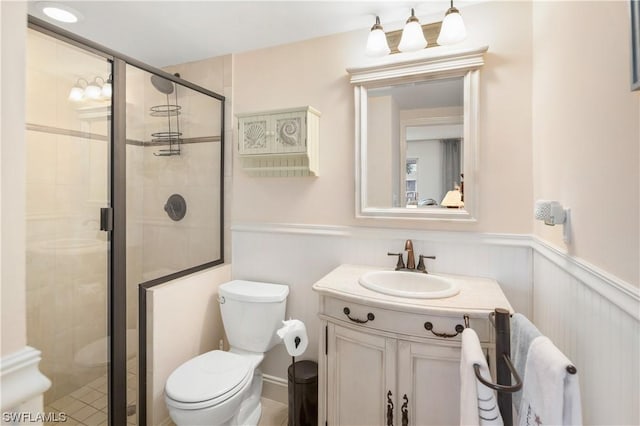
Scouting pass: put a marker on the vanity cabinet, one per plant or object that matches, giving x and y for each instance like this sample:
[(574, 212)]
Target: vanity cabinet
[(279, 143), (380, 361), (373, 376)]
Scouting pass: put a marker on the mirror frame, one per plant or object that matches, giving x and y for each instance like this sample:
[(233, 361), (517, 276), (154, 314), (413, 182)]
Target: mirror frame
[(428, 64)]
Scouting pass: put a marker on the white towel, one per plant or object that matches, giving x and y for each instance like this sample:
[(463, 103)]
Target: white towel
[(550, 394), (522, 334), (478, 405)]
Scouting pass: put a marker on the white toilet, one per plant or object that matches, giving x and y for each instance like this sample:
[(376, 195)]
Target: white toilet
[(223, 388)]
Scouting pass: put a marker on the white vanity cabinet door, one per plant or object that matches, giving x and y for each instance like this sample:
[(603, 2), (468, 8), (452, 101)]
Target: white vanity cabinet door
[(361, 371), (429, 375)]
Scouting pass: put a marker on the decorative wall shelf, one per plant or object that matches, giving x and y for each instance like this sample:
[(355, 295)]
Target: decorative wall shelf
[(280, 142)]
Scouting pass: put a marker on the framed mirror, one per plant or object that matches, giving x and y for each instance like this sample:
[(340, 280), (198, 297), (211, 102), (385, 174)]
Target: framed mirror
[(416, 135)]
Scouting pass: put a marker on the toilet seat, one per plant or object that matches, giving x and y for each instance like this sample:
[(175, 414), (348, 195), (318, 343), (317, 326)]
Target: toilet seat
[(208, 380)]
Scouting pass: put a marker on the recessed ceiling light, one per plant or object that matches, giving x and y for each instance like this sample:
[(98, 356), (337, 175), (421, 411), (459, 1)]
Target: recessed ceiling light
[(60, 12)]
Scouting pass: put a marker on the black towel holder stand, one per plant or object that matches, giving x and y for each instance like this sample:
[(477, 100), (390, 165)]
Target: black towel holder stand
[(504, 367)]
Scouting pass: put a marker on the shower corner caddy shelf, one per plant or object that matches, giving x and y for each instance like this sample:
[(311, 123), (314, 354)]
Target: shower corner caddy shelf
[(172, 136), (280, 142)]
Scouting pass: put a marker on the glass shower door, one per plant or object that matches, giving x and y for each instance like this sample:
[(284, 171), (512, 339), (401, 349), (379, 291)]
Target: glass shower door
[(68, 140)]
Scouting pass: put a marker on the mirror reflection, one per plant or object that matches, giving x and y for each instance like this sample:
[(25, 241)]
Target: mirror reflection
[(415, 145)]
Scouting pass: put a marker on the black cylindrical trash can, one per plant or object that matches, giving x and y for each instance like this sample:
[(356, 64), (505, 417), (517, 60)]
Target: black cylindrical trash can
[(304, 411)]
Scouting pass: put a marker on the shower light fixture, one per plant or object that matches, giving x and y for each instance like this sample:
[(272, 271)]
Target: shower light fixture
[(453, 29), (412, 36), (377, 44), (60, 13)]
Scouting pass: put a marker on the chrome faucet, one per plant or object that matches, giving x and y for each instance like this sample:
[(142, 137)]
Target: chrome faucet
[(411, 260)]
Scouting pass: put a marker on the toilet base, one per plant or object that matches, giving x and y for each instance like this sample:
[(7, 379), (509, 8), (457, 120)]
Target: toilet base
[(251, 408)]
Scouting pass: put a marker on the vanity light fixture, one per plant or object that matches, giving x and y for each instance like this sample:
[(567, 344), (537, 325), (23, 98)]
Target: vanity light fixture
[(412, 36), (60, 13), (453, 29), (96, 90), (107, 89), (93, 89), (377, 44), (77, 91)]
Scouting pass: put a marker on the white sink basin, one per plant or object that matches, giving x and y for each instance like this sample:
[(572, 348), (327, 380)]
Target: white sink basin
[(413, 285)]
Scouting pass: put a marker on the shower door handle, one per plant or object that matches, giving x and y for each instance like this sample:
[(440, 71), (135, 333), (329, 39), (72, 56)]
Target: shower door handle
[(106, 219)]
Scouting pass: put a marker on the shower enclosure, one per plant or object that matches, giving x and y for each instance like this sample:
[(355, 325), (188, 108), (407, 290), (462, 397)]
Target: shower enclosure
[(124, 189)]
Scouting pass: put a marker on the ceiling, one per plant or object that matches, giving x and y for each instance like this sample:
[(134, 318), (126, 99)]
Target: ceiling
[(162, 33)]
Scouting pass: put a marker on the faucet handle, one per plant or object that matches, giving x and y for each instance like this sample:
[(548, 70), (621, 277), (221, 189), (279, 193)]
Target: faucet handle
[(421, 266), (400, 264)]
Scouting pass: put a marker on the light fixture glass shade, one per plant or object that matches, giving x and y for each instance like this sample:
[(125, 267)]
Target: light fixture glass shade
[(76, 93), (453, 29), (93, 91), (412, 36), (107, 90), (377, 44)]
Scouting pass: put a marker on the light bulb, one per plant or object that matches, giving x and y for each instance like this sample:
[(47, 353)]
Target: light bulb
[(93, 90), (107, 90), (453, 29), (76, 93), (412, 36), (377, 42)]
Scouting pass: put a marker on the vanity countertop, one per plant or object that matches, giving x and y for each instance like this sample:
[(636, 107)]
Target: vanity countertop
[(477, 295)]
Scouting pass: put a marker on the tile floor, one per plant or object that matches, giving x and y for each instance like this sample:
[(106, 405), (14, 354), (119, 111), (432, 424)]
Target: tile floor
[(273, 413), (87, 406)]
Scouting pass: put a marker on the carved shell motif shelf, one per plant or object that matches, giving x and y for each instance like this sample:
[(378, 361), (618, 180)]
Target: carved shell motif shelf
[(279, 143)]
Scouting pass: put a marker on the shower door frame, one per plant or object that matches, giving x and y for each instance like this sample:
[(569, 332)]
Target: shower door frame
[(117, 275)]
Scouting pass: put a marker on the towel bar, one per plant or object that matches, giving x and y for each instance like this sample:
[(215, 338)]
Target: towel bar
[(498, 387), (504, 367)]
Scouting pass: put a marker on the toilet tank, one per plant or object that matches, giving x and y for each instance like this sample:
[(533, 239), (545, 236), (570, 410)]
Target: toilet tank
[(252, 312)]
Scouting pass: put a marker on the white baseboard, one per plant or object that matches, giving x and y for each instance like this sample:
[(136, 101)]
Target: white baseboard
[(21, 379), (275, 388)]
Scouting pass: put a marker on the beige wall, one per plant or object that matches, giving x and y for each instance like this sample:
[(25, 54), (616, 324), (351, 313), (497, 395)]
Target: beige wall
[(586, 133), (313, 73), (12, 157), (183, 320)]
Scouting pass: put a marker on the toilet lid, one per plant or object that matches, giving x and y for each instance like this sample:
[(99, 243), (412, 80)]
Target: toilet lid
[(208, 376)]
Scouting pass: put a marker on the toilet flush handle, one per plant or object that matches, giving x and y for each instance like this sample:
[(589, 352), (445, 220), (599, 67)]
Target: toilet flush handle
[(221, 300)]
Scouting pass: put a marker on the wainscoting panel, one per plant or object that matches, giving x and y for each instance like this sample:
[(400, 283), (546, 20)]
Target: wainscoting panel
[(299, 255), (601, 338)]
